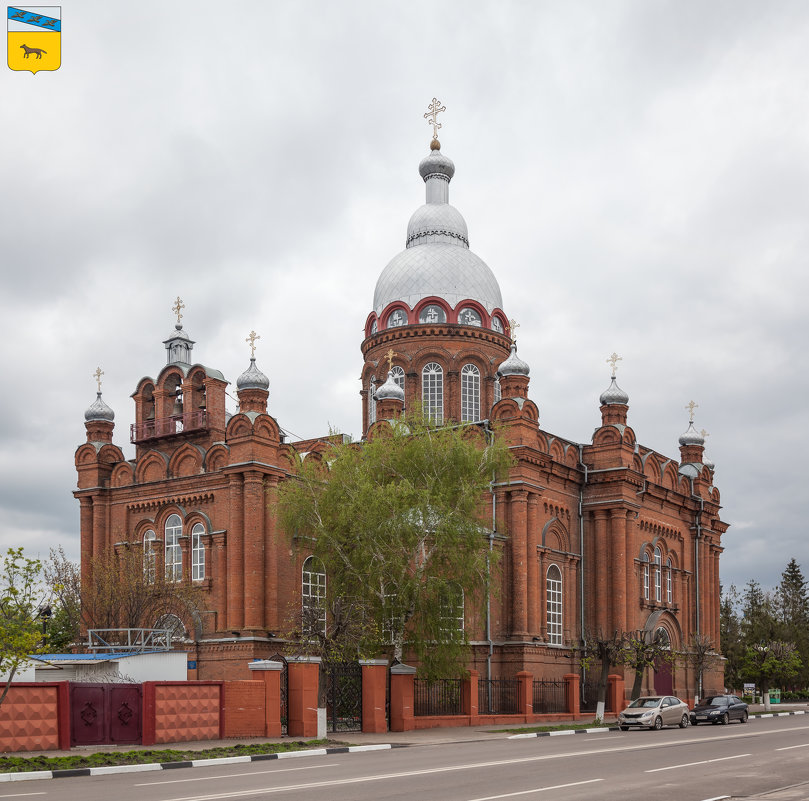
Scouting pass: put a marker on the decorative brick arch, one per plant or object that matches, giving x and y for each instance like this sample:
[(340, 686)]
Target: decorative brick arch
[(555, 536), (651, 468), (607, 435), (123, 475), (216, 458), (154, 466), (265, 426), (187, 460)]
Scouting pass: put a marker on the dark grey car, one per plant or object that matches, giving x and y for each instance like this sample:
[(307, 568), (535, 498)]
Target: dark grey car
[(719, 709)]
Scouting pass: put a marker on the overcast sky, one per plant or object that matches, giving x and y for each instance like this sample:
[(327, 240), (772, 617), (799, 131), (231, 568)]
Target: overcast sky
[(634, 173)]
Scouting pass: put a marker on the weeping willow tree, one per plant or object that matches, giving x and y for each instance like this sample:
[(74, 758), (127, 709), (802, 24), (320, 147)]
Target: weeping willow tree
[(397, 523)]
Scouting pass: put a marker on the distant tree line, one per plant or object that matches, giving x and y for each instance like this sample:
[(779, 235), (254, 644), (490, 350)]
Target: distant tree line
[(765, 634)]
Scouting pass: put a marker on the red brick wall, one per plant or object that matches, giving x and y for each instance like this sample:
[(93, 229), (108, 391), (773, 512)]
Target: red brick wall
[(35, 717), (243, 709), (181, 711)]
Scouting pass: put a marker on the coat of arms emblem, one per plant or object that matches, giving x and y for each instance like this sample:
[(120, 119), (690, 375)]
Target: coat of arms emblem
[(34, 38)]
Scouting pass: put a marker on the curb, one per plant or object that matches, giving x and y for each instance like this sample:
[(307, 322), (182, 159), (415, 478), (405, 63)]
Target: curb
[(567, 732), (779, 714), (191, 763)]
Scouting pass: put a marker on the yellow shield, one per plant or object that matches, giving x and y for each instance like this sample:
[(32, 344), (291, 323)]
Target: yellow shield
[(34, 38)]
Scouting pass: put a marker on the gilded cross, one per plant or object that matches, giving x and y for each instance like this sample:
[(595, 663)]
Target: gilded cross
[(613, 361), (434, 109), (389, 356), (513, 325), (251, 338), (97, 375), (691, 406), (704, 433), (178, 304)]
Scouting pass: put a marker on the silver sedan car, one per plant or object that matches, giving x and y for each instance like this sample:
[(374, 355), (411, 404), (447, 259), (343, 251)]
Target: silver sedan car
[(654, 712)]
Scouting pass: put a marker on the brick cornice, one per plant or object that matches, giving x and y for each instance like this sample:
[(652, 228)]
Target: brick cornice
[(196, 498)]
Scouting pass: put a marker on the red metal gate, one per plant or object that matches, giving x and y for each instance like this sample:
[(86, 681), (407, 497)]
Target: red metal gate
[(105, 713)]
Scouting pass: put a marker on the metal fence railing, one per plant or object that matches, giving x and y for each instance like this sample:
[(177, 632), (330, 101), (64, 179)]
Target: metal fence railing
[(439, 697), (549, 696), (498, 696)]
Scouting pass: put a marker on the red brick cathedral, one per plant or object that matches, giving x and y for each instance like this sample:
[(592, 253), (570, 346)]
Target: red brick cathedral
[(600, 537)]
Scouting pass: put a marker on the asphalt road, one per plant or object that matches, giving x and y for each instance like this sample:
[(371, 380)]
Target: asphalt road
[(694, 764)]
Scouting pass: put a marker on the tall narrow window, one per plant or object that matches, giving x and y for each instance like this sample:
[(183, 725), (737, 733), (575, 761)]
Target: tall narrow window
[(669, 595), (197, 553), (470, 393), (432, 392), (149, 557), (371, 402), (398, 376), (451, 601), (498, 390), (645, 560), (658, 565), (553, 591), (313, 596), (174, 554)]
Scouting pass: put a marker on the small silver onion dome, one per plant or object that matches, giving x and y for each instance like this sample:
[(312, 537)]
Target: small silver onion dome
[(691, 436), (436, 164), (99, 410), (613, 394), (390, 389), (252, 378), (514, 365)]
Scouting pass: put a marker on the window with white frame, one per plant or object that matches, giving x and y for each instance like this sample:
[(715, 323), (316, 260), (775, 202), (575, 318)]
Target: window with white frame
[(470, 393), (451, 604), (173, 625), (645, 561), (432, 392), (658, 570), (371, 401), (669, 594), (313, 596), (197, 552), (174, 553), (553, 598), (498, 390), (149, 557), (398, 376)]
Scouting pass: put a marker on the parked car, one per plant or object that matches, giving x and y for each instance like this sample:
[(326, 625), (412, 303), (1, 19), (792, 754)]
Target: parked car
[(719, 709), (654, 712)]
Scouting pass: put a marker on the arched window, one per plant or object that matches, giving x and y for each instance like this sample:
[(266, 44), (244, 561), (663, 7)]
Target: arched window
[(553, 598), (662, 638), (645, 560), (174, 554), (658, 570), (498, 390), (470, 393), (432, 392), (371, 401), (398, 376), (197, 552), (313, 596), (669, 595), (173, 625), (149, 557), (451, 600)]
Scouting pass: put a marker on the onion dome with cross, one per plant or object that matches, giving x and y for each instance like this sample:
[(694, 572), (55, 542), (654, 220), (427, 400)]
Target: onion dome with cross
[(437, 279), (98, 410), (613, 393)]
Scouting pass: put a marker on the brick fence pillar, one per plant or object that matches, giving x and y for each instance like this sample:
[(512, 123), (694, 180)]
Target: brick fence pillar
[(304, 674), (470, 697), (572, 695), (270, 673), (616, 694), (374, 680), (402, 681), (526, 680)]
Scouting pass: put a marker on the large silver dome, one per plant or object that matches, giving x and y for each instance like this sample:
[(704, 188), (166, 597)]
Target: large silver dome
[(437, 261)]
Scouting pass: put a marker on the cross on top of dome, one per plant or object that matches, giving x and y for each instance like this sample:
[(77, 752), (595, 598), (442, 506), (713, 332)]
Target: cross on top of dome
[(434, 109)]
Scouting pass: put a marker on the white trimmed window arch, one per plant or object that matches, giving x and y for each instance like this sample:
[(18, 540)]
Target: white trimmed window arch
[(197, 552), (645, 567), (553, 604), (658, 568), (313, 596), (470, 393), (669, 591), (173, 550), (149, 556), (432, 392)]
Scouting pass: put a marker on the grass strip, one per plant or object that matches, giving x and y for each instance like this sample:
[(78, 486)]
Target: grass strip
[(562, 727), (13, 764)]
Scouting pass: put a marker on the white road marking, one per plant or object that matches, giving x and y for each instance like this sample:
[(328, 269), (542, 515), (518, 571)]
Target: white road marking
[(716, 798), (790, 747), (536, 790), (702, 762), (232, 775), (21, 795)]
